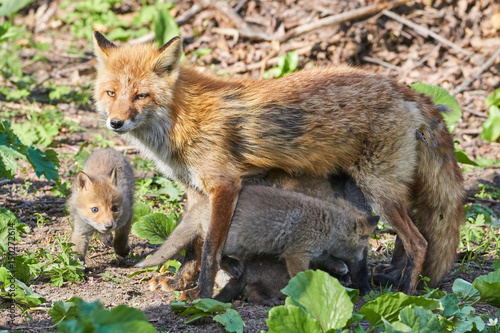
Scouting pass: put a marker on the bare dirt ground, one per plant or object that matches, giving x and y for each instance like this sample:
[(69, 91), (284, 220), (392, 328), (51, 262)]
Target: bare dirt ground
[(375, 42)]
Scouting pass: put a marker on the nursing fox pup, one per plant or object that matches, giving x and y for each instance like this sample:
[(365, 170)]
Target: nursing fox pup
[(101, 201), (209, 133), (278, 223)]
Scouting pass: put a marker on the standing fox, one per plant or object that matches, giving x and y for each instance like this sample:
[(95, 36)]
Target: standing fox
[(101, 201), (209, 133)]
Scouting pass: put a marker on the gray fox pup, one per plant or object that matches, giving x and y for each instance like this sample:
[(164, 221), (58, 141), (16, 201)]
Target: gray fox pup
[(101, 201), (275, 223)]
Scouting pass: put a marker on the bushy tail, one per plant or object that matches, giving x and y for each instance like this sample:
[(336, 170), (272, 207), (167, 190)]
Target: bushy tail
[(438, 195)]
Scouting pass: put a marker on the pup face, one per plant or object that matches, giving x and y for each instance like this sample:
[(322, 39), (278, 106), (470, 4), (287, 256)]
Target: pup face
[(134, 81), (99, 202)]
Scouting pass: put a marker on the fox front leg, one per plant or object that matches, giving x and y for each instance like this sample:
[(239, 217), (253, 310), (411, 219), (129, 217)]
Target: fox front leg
[(223, 201)]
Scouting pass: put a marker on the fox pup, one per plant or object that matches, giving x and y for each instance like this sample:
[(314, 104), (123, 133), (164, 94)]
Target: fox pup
[(278, 223), (211, 132), (101, 201)]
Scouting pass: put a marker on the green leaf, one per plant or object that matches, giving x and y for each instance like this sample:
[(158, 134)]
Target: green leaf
[(389, 306), (21, 293), (321, 296), (450, 304), (491, 126), (154, 227), (63, 311), (465, 290), (8, 7), (396, 327), (441, 96), (489, 287), (422, 320), (493, 99), (463, 158), (291, 318), (466, 321), (164, 26), (92, 317), (140, 209), (44, 163), (231, 320)]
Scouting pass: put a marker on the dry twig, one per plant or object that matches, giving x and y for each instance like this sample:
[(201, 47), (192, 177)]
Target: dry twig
[(481, 70), (340, 18), (424, 32)]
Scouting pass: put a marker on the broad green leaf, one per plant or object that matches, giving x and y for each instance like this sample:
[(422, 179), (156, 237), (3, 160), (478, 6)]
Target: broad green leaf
[(466, 321), (489, 287), (62, 311), (450, 304), (389, 306), (396, 327), (491, 126), (291, 318), (164, 26), (463, 158), (321, 296), (44, 163), (493, 99), (8, 7), (231, 320), (22, 293), (92, 317), (441, 96), (465, 290), (154, 227), (140, 209), (422, 320)]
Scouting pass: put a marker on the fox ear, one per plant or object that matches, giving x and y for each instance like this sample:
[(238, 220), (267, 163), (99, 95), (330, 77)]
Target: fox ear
[(113, 175), (170, 56), (82, 181), (102, 46), (373, 220)]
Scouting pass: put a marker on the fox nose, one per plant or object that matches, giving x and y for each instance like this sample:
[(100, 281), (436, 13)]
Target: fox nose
[(108, 226), (116, 123)]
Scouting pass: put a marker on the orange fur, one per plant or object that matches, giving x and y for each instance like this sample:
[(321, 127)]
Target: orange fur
[(210, 132)]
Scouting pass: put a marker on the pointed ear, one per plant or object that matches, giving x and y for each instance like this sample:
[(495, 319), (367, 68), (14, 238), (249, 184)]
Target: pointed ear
[(113, 177), (373, 220), (82, 181), (170, 56), (102, 46)]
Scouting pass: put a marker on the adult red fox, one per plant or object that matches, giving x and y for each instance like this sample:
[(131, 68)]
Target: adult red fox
[(210, 132)]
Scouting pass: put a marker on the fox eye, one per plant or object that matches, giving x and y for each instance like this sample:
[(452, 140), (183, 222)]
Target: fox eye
[(114, 209), (111, 93), (141, 96), (94, 209)]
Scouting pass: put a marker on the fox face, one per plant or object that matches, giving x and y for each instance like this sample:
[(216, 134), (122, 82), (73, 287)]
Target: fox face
[(99, 202), (133, 81), (356, 238)]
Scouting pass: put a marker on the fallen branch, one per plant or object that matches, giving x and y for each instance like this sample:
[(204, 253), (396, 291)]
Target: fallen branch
[(424, 32), (244, 33), (340, 18), (381, 62), (481, 70), (228, 11)]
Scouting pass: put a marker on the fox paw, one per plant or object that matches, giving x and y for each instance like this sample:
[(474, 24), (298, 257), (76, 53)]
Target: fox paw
[(190, 294), (166, 283)]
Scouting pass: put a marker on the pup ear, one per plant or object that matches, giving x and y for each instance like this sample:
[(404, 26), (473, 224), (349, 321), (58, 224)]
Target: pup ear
[(113, 177), (102, 47), (373, 220), (170, 56), (82, 181)]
